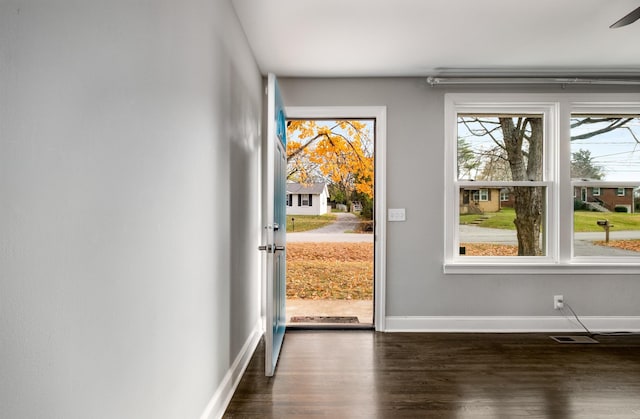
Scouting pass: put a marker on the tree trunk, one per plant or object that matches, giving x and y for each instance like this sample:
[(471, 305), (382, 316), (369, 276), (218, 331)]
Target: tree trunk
[(526, 164), (528, 207)]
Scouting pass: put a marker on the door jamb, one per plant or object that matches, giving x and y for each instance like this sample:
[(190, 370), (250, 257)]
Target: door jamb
[(379, 113)]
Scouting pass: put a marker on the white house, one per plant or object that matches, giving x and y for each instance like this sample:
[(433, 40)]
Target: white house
[(308, 199)]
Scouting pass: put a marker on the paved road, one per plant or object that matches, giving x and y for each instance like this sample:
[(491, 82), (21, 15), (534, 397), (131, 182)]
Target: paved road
[(334, 232), (583, 245)]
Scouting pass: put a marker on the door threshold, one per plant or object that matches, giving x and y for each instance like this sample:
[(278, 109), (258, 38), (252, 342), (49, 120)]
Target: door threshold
[(330, 326)]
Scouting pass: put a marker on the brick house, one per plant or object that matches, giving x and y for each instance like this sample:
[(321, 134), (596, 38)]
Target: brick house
[(596, 198), (605, 199)]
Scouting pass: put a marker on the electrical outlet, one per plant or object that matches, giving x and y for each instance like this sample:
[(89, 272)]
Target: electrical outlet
[(558, 302)]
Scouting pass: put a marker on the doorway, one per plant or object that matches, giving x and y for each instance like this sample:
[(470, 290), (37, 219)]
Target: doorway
[(335, 217)]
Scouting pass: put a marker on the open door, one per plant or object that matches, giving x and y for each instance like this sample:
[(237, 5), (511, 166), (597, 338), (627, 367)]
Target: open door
[(275, 226)]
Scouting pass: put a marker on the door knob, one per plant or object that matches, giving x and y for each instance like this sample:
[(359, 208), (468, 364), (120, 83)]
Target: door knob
[(270, 248), (266, 247)]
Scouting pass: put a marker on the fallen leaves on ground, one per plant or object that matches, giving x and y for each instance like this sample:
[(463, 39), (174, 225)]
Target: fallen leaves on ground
[(633, 245), (344, 252), (330, 271), (488, 249)]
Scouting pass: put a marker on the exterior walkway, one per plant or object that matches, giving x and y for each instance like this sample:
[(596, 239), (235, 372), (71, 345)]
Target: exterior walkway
[(362, 309)]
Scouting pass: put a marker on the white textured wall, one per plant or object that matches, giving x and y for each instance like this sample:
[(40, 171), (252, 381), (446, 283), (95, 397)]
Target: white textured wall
[(416, 285), (129, 142)]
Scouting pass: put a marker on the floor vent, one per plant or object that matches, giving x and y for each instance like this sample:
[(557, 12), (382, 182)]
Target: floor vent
[(573, 339)]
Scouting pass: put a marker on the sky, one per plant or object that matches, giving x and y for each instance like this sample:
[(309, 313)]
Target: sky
[(616, 152)]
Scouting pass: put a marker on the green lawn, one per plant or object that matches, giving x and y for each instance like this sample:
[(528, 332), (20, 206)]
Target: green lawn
[(502, 219), (583, 220), (586, 220), (308, 222)]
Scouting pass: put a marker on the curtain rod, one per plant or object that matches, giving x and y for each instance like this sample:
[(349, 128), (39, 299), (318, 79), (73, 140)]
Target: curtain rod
[(447, 81)]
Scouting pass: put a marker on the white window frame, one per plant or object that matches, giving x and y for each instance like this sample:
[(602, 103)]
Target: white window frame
[(504, 196), (618, 191), (483, 194), (558, 242), (595, 191)]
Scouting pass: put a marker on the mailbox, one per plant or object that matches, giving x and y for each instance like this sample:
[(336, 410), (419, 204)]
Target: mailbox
[(606, 226)]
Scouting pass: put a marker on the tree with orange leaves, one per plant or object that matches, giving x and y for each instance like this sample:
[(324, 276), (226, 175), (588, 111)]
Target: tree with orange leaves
[(337, 152)]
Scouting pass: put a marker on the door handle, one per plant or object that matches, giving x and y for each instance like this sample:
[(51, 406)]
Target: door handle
[(270, 248)]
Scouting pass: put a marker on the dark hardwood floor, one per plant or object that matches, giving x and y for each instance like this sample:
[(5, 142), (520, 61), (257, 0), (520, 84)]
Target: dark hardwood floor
[(363, 374)]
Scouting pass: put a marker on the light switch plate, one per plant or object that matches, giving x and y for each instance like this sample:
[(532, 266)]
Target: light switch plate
[(396, 214)]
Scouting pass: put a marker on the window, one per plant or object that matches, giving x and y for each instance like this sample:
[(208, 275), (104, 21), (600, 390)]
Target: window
[(289, 200), (305, 200), (603, 153), (544, 155), (480, 195), (483, 195), (484, 142)]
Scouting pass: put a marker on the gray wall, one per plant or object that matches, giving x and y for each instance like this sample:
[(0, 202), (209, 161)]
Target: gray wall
[(129, 142), (416, 285)]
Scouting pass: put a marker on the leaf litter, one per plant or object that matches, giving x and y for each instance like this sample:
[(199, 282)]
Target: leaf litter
[(330, 271)]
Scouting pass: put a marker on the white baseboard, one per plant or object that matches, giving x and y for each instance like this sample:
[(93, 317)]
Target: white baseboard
[(508, 324), (218, 404)]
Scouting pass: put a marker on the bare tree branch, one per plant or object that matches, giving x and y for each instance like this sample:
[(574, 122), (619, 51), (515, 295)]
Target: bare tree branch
[(615, 124)]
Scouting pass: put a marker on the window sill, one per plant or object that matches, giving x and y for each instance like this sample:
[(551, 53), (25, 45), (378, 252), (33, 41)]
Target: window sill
[(602, 268)]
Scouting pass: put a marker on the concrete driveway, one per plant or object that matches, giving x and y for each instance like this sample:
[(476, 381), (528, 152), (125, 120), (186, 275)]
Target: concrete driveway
[(334, 232)]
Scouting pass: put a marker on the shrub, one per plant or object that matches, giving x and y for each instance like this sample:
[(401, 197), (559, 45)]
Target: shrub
[(367, 210)]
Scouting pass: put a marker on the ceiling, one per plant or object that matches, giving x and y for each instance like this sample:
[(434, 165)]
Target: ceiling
[(368, 38)]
